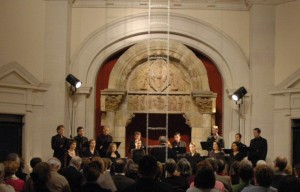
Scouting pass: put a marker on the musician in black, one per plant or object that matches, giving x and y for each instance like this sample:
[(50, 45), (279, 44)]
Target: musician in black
[(103, 142), (59, 143), (258, 147), (82, 141), (215, 137)]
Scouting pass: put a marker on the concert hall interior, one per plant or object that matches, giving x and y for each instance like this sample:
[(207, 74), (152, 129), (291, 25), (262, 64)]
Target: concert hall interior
[(135, 75)]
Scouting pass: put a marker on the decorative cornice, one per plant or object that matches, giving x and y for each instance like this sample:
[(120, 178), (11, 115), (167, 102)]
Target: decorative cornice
[(179, 4), (289, 85), (15, 76)]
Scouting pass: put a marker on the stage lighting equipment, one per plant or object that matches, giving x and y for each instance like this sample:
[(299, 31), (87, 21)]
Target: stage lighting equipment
[(238, 94), (73, 81)]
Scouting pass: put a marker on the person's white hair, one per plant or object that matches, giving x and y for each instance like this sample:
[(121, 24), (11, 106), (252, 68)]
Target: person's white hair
[(76, 161), (261, 162), (54, 163)]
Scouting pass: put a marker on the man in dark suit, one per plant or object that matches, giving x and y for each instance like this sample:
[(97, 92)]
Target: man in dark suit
[(121, 181), (242, 147), (81, 140), (72, 174), (58, 143), (159, 152), (137, 137), (103, 142), (215, 137), (177, 142), (258, 147)]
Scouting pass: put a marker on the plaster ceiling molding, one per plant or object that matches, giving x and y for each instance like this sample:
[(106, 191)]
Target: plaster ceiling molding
[(15, 76), (179, 4), (289, 85)]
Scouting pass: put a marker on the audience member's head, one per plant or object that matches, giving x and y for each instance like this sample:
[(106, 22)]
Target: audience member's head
[(234, 169), (147, 166), (76, 162), (221, 166), (261, 162), (34, 161), (280, 163), (289, 183), (213, 162), (54, 163), (40, 176), (297, 170), (263, 175), (13, 157), (245, 170), (119, 166), (170, 166), (107, 163), (162, 140), (205, 177), (2, 172), (92, 172), (100, 162), (159, 171), (11, 167), (288, 169), (184, 167)]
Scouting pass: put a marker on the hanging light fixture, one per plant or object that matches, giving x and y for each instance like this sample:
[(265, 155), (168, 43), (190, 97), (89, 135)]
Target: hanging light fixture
[(73, 81), (238, 94)]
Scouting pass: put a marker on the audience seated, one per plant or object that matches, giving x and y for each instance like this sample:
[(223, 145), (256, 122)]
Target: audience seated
[(184, 168), (245, 173), (105, 180), (263, 176), (11, 167), (57, 182), (204, 179), (279, 165), (297, 171), (224, 179), (72, 173), (39, 178), (132, 170), (289, 183), (91, 175), (234, 172), (177, 182), (120, 179), (3, 186), (146, 182), (21, 165)]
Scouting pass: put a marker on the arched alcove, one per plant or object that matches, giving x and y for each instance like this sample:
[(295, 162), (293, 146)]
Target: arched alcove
[(205, 38)]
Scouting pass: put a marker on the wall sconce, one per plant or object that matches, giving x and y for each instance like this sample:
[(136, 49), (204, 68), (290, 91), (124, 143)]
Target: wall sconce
[(239, 94), (76, 83)]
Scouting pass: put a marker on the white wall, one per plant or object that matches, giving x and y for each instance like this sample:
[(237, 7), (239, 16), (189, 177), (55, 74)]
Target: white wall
[(287, 46), (36, 34)]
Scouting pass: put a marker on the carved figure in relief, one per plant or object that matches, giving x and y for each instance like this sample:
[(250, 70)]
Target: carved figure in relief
[(112, 102), (142, 102), (180, 103), (187, 104)]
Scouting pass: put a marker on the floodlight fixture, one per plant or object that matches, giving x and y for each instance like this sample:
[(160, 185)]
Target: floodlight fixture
[(238, 94), (73, 81)]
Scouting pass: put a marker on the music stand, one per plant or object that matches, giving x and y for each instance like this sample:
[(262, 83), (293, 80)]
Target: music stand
[(206, 145), (227, 151), (180, 150)]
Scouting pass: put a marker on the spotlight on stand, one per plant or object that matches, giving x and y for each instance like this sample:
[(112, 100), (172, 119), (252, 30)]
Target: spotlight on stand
[(238, 94), (73, 81)]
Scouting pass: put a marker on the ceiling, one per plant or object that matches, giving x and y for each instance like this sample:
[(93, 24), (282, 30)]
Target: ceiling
[(178, 4)]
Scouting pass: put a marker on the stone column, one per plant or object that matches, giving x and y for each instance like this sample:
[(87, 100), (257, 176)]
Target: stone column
[(262, 45), (56, 58)]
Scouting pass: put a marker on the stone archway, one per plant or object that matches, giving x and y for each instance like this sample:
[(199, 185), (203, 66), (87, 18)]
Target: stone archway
[(136, 86)]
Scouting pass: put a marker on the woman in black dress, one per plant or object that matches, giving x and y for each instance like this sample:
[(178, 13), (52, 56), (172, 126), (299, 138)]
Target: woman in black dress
[(112, 152), (193, 156), (91, 151)]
